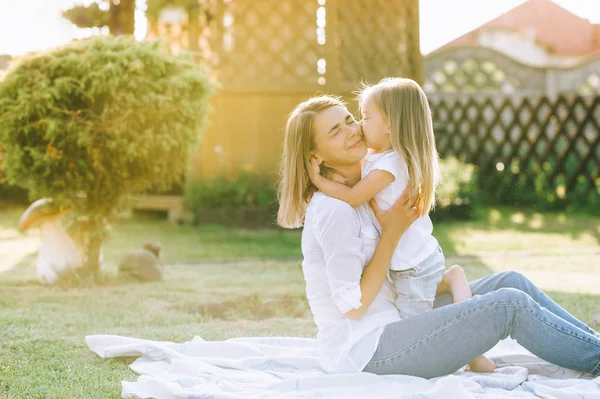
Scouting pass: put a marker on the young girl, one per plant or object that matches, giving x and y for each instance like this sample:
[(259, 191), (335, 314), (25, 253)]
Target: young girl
[(398, 129)]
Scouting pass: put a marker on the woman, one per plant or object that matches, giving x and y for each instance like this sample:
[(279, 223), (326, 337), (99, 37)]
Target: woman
[(346, 262)]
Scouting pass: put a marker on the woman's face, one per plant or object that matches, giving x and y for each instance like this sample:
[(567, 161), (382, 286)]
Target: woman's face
[(338, 138)]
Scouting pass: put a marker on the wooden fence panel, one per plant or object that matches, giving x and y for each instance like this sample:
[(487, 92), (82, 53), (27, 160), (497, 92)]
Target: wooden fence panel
[(558, 139), (470, 69), (269, 55)]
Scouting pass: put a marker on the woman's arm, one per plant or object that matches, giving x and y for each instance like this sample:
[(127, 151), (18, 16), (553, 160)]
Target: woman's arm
[(393, 224), (354, 286)]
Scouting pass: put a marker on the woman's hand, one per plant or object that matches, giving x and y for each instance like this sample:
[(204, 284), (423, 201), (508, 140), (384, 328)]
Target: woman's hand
[(394, 223), (400, 216)]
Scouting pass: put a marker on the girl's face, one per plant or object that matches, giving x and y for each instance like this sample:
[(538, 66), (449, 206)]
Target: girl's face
[(375, 127), (338, 138)]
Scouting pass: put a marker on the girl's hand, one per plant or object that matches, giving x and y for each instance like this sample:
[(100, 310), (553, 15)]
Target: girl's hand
[(400, 216), (314, 171)]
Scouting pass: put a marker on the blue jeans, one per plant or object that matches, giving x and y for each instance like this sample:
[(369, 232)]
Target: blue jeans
[(416, 287), (506, 304)]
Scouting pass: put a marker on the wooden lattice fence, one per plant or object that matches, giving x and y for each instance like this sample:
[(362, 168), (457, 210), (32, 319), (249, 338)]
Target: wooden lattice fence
[(269, 55), (524, 145), (479, 69)]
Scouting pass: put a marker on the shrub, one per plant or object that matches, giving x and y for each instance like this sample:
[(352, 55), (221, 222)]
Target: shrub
[(457, 192), (535, 187), (98, 119), (456, 195), (246, 189), (248, 200), (458, 182)]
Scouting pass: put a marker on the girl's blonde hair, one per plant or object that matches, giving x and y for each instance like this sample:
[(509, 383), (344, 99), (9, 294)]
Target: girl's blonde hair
[(295, 188), (404, 106)]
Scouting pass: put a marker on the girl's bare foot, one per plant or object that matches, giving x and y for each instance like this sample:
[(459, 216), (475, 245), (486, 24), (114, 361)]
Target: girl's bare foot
[(482, 364), (456, 281)]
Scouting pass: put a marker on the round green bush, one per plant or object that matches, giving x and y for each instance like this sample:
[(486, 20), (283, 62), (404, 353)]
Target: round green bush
[(91, 122)]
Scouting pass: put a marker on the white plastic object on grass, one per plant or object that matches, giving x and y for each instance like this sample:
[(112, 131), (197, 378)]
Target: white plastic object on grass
[(58, 252)]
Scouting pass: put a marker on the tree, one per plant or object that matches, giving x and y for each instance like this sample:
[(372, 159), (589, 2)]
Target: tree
[(98, 119), (193, 8), (154, 7), (118, 15)]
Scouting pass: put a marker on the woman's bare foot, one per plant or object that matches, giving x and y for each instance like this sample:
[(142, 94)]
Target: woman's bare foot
[(482, 364)]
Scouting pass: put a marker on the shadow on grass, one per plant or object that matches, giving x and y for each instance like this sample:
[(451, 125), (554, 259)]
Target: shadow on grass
[(250, 307), (69, 279)]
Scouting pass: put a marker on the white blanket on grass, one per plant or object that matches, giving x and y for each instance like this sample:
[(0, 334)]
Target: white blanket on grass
[(284, 367)]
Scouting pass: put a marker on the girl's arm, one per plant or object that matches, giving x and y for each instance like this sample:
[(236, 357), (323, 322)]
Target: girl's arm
[(362, 191)]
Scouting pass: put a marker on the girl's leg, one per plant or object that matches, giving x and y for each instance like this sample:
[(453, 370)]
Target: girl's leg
[(441, 341), (512, 279), (455, 282)]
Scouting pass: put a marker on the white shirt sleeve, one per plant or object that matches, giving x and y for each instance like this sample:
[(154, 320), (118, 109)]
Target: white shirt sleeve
[(391, 164), (338, 232)]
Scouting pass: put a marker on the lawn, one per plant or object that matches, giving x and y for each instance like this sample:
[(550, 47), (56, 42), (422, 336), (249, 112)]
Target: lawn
[(223, 283)]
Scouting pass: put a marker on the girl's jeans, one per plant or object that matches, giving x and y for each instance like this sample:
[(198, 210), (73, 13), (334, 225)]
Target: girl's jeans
[(506, 304), (416, 287)]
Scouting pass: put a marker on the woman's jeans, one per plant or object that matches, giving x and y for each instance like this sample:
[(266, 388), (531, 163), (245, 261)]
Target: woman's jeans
[(506, 304)]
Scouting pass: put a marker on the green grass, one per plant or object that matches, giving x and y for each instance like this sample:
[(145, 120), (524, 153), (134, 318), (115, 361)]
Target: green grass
[(42, 329), (495, 230), (179, 243)]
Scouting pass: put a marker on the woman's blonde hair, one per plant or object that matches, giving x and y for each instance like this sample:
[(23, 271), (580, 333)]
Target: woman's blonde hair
[(295, 188), (404, 106)]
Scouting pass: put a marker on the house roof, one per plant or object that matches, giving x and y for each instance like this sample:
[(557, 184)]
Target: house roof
[(556, 29)]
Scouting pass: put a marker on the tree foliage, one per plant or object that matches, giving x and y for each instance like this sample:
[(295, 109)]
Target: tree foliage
[(117, 15), (87, 16), (154, 7), (98, 119)]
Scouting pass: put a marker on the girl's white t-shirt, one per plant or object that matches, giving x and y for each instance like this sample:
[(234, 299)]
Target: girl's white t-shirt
[(417, 243)]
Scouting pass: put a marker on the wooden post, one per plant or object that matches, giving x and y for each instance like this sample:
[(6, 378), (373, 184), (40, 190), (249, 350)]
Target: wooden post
[(332, 45), (193, 27), (418, 72)]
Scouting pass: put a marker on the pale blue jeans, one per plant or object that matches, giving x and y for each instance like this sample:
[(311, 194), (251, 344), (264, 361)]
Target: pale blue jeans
[(416, 287), (506, 304)]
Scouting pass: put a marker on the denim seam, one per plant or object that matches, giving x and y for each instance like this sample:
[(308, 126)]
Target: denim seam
[(559, 328), (596, 370), (505, 304)]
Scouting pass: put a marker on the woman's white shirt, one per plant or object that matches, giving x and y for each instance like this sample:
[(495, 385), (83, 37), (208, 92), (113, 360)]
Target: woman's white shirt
[(338, 241)]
